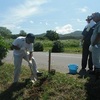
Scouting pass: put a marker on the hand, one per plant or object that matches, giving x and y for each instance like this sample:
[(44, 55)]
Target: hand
[(96, 46), (30, 55), (29, 60), (90, 48)]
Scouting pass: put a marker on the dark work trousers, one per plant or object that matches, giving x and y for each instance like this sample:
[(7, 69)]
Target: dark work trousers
[(86, 56)]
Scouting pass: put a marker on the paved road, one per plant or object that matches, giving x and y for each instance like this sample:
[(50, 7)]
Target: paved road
[(59, 61)]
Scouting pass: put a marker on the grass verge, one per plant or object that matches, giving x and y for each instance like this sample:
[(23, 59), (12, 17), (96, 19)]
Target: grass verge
[(48, 87)]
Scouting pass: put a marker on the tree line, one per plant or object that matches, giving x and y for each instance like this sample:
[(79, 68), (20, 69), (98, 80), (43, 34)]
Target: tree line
[(50, 34), (6, 33)]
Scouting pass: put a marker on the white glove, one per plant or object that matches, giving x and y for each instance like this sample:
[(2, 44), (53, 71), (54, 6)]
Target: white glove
[(30, 61), (90, 48), (96, 46)]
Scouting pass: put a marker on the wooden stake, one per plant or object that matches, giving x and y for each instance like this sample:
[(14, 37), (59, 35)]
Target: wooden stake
[(49, 62)]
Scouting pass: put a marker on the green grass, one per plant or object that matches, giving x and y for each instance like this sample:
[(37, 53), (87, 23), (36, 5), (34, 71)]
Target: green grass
[(70, 45), (48, 87)]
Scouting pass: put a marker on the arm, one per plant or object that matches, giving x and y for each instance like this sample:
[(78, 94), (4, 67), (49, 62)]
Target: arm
[(82, 39), (16, 44), (83, 34), (15, 47)]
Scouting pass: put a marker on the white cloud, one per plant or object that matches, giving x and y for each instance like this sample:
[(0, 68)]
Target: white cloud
[(18, 27), (64, 29), (40, 22), (80, 21), (55, 23), (9, 25), (15, 16), (31, 21), (46, 23), (84, 9)]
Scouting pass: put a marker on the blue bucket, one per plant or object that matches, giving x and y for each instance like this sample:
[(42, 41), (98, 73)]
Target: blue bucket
[(73, 68)]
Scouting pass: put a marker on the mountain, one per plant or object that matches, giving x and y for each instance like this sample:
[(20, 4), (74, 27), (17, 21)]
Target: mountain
[(76, 34), (40, 35)]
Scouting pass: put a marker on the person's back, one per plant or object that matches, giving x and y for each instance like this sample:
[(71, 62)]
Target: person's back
[(19, 41)]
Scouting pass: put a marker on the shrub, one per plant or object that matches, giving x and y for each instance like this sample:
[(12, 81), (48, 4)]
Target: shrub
[(9, 42), (57, 47), (3, 48), (38, 46)]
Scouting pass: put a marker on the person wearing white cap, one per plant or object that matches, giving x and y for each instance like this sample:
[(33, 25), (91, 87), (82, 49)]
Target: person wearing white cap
[(86, 54), (23, 48), (95, 42)]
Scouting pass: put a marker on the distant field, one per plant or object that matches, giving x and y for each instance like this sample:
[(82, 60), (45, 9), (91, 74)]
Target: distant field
[(70, 45)]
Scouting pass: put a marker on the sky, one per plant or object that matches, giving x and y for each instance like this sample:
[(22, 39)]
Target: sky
[(38, 16)]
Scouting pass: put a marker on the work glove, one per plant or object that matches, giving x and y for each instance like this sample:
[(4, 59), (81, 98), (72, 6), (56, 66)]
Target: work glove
[(90, 48), (96, 46)]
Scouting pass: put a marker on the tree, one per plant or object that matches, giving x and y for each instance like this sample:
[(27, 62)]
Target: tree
[(3, 48), (22, 33), (4, 32), (52, 35)]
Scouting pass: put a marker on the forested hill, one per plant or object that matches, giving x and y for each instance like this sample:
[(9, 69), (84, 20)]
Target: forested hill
[(73, 35), (76, 34)]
